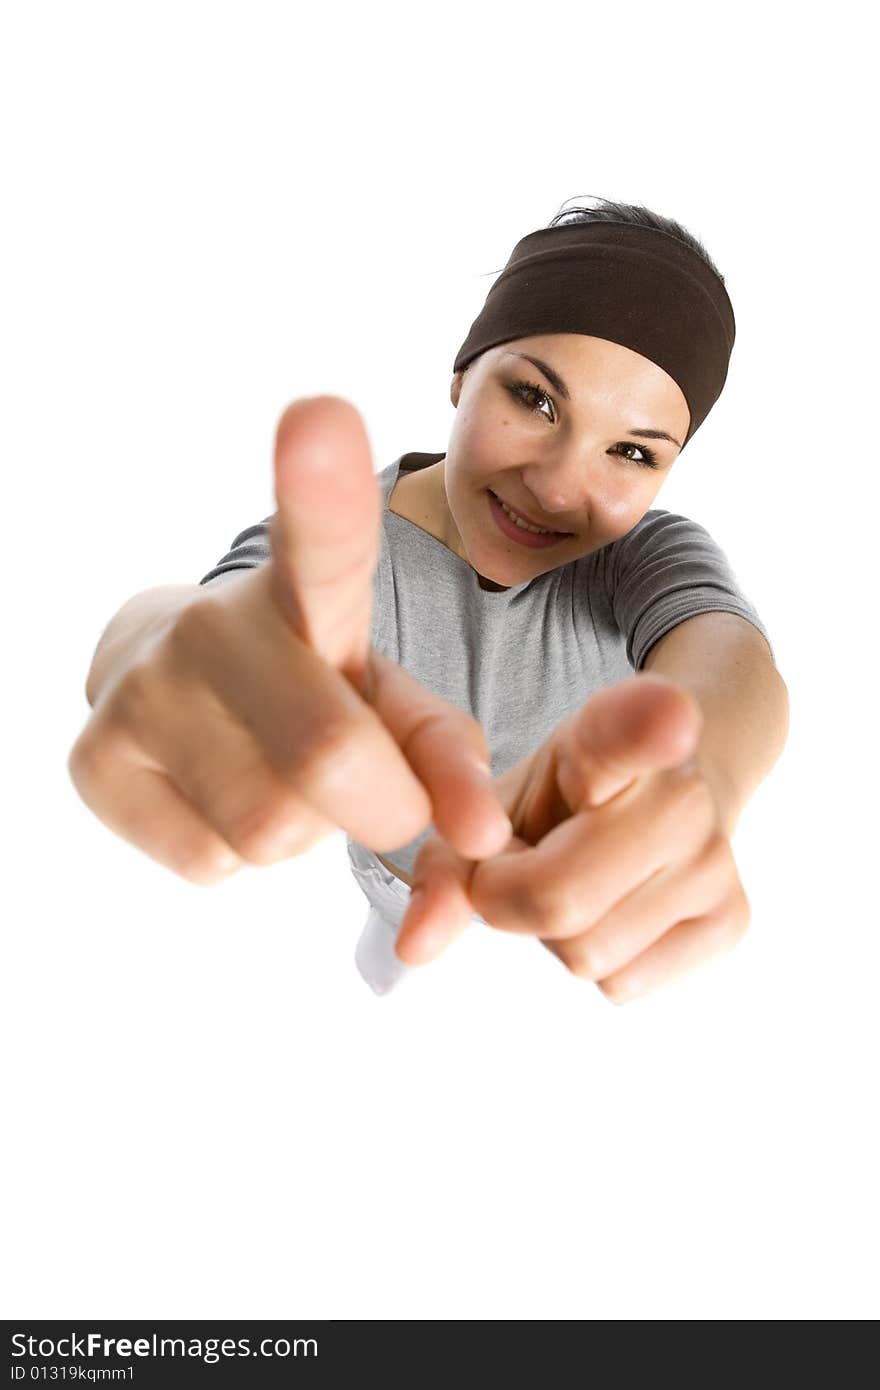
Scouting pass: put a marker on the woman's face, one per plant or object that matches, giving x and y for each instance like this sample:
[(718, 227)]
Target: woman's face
[(572, 454)]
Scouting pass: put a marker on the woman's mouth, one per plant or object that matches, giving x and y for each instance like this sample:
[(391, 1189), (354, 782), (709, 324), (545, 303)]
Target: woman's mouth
[(521, 530)]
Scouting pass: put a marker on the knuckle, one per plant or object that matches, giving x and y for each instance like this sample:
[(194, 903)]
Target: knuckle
[(547, 908), (728, 927), (446, 727), (213, 871), (433, 724), (567, 911), (82, 759), (132, 700), (205, 867), (613, 991), (204, 617), (584, 964), (201, 627), (91, 757), (691, 795), (327, 758), (305, 837), (717, 854), (270, 832)]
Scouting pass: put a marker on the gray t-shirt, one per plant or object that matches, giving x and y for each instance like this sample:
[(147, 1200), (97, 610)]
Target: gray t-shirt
[(521, 659)]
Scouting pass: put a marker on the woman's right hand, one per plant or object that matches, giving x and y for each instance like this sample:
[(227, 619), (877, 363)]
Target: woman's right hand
[(259, 718)]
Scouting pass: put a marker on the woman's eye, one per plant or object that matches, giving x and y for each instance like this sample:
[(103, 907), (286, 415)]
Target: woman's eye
[(524, 390), (648, 459)]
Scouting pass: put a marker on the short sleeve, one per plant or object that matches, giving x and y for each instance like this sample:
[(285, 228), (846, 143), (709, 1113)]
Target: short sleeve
[(249, 549), (666, 569)]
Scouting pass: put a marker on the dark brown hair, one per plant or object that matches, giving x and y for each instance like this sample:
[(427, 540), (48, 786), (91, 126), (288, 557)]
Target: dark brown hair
[(639, 216)]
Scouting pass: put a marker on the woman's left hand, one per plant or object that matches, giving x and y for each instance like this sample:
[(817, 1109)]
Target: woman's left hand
[(619, 862)]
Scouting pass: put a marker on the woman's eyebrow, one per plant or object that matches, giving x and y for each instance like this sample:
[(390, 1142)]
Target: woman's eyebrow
[(555, 381), (559, 385), (655, 434)]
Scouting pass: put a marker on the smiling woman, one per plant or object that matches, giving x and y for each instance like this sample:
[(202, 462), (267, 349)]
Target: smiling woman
[(524, 568), (568, 464)]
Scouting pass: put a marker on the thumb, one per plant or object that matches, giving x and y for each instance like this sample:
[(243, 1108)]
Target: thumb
[(639, 725), (324, 534)]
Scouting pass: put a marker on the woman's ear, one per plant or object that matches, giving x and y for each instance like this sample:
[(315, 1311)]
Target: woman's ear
[(455, 388)]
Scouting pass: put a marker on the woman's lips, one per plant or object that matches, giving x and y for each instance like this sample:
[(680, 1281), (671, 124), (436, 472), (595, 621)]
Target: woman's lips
[(527, 538)]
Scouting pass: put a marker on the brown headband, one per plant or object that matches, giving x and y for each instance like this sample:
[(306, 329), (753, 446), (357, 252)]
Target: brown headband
[(636, 286)]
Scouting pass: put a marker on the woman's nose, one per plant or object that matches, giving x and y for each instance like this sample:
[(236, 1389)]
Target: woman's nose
[(563, 488)]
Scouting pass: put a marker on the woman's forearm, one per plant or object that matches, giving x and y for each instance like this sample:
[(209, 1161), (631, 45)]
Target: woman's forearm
[(725, 664)]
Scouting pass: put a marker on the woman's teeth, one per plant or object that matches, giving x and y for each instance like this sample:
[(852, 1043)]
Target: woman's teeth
[(523, 525)]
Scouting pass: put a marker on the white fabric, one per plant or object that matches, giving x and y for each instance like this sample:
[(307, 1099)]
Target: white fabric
[(375, 956), (388, 897)]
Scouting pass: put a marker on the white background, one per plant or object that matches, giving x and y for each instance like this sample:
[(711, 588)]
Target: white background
[(211, 209)]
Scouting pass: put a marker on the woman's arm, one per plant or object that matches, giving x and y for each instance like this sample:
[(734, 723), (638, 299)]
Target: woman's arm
[(725, 663)]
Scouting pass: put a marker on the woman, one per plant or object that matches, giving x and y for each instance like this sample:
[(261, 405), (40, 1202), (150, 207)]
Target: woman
[(524, 568)]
